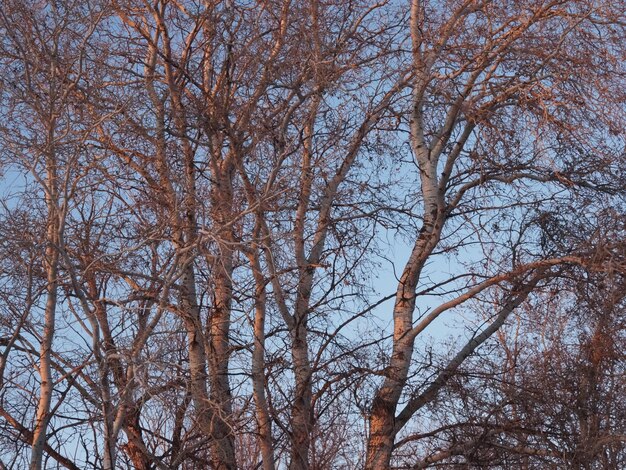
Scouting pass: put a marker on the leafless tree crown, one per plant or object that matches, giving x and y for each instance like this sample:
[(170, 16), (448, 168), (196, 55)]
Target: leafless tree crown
[(312, 234)]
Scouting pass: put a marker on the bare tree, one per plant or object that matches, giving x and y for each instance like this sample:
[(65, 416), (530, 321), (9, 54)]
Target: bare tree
[(544, 393), (43, 67), (199, 201), (502, 112)]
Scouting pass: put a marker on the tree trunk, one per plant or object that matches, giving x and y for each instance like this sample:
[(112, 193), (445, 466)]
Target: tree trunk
[(301, 413), (134, 447), (45, 395), (220, 396), (263, 418), (51, 262), (382, 418), (223, 447)]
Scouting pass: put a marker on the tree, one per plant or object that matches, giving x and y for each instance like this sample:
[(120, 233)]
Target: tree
[(545, 394), (496, 112), (214, 189), (43, 137)]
